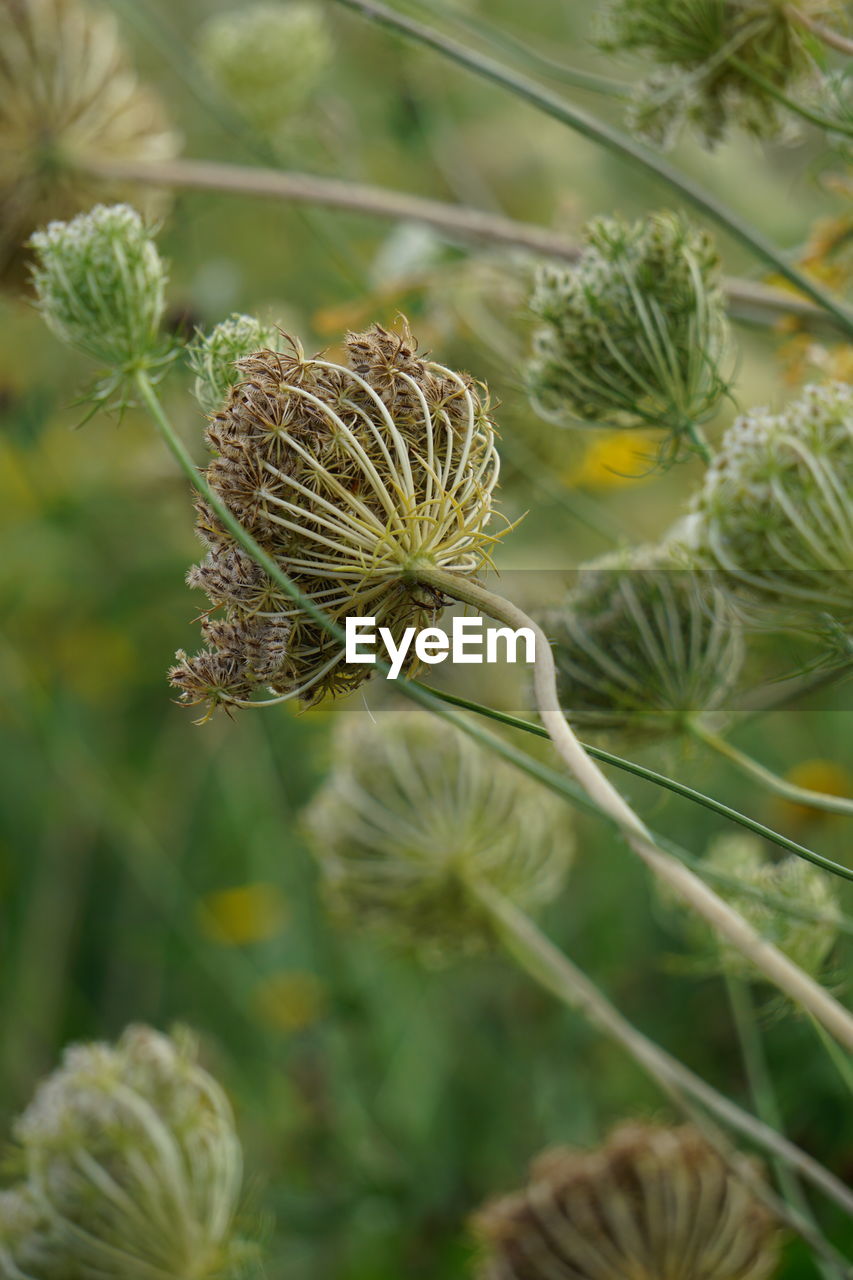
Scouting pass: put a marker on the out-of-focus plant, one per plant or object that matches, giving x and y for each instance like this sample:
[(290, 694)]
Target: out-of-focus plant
[(213, 357)]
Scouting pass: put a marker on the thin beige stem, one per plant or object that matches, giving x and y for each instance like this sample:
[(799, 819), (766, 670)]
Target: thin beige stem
[(827, 35), (459, 220), (723, 919)]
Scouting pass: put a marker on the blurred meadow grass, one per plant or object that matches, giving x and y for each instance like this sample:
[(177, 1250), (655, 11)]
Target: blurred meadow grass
[(154, 870)]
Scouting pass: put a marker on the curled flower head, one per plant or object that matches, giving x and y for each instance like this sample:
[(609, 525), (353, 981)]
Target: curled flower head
[(720, 62), (267, 59), (68, 97), (133, 1166), (641, 643), (412, 813), (100, 284), (350, 476), (213, 356), (652, 1203), (774, 516), (634, 334), (768, 886)]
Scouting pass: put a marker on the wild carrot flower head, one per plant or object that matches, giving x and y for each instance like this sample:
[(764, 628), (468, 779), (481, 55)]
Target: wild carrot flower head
[(133, 1167), (652, 1203), (412, 813), (641, 643), (68, 96), (634, 334), (774, 516), (213, 356), (350, 476), (720, 62)]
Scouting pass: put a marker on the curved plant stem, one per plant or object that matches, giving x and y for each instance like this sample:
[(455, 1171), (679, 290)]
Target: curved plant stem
[(608, 136), (671, 784), (722, 918), (827, 35), (769, 779), (549, 966), (790, 104)]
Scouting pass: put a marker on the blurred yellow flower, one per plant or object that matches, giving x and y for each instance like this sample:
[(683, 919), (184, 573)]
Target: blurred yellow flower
[(289, 1001), (242, 915), (612, 460), (816, 775)]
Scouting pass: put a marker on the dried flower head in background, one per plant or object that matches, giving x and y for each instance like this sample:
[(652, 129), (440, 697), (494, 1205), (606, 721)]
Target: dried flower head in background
[(413, 813), (267, 59), (721, 62), (653, 1203), (349, 476), (213, 356), (68, 97), (641, 643), (133, 1167), (635, 333)]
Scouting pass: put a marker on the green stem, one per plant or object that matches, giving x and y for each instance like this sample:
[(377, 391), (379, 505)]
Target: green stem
[(790, 104), (671, 784), (608, 136), (842, 1064), (769, 779), (827, 35)]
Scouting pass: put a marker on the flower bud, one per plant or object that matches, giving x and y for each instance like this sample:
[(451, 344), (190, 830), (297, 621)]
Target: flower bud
[(133, 1166), (634, 334), (267, 59), (68, 96), (775, 517), (100, 284), (213, 356), (652, 1203), (349, 476), (414, 813), (642, 644)]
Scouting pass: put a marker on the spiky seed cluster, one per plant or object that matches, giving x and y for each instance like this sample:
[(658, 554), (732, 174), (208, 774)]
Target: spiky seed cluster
[(100, 284), (707, 52), (68, 96), (808, 942), (635, 333), (349, 476), (412, 813), (640, 644), (653, 1203), (267, 59), (774, 516), (133, 1168), (213, 356)]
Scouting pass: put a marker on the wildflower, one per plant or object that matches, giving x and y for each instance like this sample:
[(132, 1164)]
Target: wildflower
[(245, 914), (267, 59), (641, 644), (774, 516), (133, 1167), (652, 1203), (413, 815), (68, 96), (635, 333), (613, 460), (213, 357), (350, 476)]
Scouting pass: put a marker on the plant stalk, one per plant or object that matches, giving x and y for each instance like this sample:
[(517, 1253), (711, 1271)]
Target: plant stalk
[(790, 104), (827, 35)]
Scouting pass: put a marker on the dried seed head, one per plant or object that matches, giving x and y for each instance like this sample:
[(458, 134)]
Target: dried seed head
[(707, 52), (267, 59), (808, 942), (641, 644), (133, 1166), (774, 515), (635, 333), (653, 1203), (213, 356), (412, 813), (349, 476), (68, 96), (100, 284)]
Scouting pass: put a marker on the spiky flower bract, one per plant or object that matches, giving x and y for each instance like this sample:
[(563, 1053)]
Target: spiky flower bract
[(707, 53), (774, 515), (349, 476), (412, 814), (641, 644), (652, 1203), (267, 59), (213, 356), (635, 333), (133, 1168), (68, 96)]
